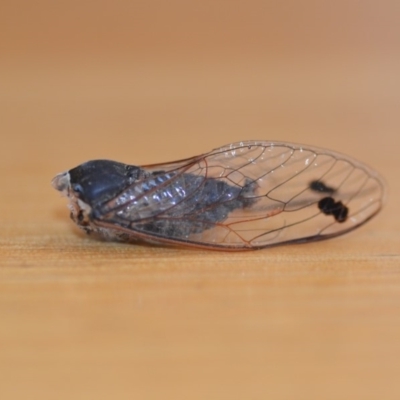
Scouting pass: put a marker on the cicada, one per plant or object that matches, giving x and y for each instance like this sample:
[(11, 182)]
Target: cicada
[(242, 196)]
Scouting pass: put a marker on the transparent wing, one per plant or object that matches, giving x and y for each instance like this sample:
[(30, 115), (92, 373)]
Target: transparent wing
[(249, 195)]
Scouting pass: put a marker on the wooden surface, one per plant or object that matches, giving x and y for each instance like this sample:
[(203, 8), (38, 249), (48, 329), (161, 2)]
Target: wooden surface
[(82, 319)]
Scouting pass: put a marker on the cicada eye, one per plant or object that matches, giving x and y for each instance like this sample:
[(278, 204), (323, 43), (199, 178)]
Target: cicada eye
[(77, 188)]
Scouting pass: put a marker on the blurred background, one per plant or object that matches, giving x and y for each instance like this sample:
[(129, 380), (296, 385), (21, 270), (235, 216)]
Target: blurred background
[(152, 81), (147, 81)]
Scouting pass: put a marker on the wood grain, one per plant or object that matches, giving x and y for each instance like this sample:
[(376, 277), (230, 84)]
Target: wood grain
[(84, 319)]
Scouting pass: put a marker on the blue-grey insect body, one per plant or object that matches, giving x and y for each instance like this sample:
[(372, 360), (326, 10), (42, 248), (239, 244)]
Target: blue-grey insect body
[(241, 196)]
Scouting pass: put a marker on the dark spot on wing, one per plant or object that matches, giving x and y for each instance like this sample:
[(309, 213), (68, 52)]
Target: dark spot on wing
[(330, 207), (319, 186)]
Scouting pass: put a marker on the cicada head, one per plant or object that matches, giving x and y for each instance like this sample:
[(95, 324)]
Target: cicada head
[(93, 183)]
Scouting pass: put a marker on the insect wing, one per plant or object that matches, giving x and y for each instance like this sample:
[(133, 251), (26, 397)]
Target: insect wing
[(249, 195)]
